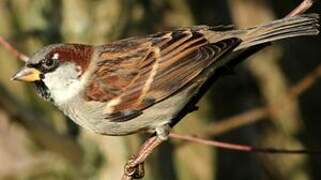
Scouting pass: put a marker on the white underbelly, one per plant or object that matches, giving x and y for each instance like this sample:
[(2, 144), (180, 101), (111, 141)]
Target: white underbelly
[(89, 115), (152, 117)]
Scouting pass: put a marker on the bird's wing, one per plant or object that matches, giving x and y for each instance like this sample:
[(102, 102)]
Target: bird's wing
[(136, 73)]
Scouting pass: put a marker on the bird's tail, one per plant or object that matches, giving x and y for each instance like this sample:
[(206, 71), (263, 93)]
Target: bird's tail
[(301, 25)]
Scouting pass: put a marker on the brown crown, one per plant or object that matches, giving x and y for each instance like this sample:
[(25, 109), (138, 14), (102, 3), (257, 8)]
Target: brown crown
[(76, 53)]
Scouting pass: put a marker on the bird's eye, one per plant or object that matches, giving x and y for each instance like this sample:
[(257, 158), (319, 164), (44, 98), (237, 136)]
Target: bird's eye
[(49, 64)]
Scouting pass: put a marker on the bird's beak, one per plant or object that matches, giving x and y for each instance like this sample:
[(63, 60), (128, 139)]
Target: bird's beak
[(27, 74)]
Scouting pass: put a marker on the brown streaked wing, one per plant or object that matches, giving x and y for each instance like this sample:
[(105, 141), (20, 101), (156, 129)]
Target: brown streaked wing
[(133, 77), (117, 68), (184, 69)]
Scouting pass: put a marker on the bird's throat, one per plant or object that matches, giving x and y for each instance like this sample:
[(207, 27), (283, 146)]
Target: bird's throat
[(42, 90)]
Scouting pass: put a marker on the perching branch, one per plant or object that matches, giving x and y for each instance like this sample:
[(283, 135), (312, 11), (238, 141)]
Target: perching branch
[(240, 147)]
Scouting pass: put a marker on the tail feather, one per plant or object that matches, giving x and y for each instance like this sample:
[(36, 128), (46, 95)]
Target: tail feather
[(302, 25)]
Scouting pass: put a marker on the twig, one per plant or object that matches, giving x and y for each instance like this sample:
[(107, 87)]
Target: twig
[(303, 7), (239, 147), (13, 50), (305, 83), (135, 166), (234, 122)]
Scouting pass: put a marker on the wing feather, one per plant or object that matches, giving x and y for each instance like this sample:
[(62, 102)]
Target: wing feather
[(134, 74)]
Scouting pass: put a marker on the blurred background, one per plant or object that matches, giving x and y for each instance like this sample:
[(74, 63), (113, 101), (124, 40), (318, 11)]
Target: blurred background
[(264, 104)]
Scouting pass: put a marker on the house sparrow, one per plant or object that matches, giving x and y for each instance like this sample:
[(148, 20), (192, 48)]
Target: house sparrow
[(142, 83)]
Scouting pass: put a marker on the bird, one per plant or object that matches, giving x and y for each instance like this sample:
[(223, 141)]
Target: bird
[(141, 84)]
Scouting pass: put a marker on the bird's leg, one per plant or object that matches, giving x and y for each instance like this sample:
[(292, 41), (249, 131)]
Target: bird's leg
[(135, 166), (134, 169)]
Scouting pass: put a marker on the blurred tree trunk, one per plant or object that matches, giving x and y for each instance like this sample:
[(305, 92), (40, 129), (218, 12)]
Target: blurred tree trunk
[(273, 85)]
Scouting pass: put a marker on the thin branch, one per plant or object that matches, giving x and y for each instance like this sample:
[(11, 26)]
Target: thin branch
[(240, 147), (307, 82), (302, 8), (13, 50), (234, 122)]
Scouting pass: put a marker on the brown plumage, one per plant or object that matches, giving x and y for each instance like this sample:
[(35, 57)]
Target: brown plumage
[(143, 71), (144, 83)]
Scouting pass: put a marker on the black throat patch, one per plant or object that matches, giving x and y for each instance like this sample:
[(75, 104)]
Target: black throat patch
[(42, 90)]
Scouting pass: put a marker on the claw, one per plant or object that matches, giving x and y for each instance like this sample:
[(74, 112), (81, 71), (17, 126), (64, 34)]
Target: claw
[(135, 171)]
